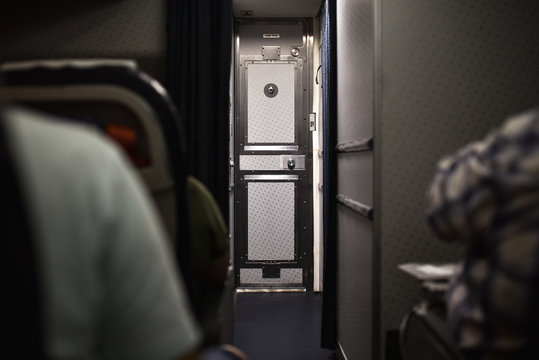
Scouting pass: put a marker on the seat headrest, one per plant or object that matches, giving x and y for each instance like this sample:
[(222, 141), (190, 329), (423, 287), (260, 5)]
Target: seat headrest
[(62, 63), (122, 73)]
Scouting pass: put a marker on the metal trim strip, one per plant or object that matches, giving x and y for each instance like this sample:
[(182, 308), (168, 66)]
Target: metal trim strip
[(270, 177), (269, 290), (270, 148)]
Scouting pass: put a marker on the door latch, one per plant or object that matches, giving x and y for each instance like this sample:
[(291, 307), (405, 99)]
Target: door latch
[(291, 163)]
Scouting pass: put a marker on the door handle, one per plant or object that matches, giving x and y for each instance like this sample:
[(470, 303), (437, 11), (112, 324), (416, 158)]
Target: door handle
[(231, 175)]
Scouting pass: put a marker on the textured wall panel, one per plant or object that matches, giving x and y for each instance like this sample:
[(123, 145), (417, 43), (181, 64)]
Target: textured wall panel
[(288, 277), (260, 162), (452, 70), (133, 29), (270, 119), (355, 69), (355, 292), (355, 176), (355, 74), (251, 37), (270, 221)]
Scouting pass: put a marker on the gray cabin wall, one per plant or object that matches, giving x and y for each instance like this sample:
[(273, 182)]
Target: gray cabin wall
[(134, 29), (424, 78), (448, 72), (355, 74)]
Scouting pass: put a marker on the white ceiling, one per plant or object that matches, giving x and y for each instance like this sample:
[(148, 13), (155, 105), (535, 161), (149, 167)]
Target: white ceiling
[(277, 8)]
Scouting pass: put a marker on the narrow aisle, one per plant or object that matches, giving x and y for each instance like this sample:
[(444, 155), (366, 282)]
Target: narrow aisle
[(283, 326)]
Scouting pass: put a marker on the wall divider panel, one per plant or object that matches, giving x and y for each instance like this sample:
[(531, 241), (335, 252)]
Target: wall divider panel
[(355, 231)]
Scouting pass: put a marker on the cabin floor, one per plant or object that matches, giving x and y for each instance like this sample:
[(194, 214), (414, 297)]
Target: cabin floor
[(284, 326)]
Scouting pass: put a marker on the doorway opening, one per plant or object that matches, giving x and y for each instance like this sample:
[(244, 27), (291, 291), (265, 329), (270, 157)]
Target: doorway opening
[(275, 156)]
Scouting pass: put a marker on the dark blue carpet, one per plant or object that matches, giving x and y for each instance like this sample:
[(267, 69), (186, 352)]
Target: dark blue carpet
[(279, 326)]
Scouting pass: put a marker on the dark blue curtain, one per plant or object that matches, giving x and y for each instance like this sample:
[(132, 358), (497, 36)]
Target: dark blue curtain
[(329, 100), (198, 71)]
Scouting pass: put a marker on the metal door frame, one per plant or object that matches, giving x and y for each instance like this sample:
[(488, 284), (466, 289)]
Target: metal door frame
[(303, 212)]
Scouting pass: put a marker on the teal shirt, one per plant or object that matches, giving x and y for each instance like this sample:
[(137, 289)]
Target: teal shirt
[(110, 289)]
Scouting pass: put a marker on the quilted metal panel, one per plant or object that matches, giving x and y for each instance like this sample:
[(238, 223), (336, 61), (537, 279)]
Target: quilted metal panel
[(270, 221), (254, 277), (260, 162), (272, 162), (270, 119)]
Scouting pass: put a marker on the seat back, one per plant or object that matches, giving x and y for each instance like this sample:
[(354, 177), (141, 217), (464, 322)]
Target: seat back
[(126, 105), (424, 335)]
